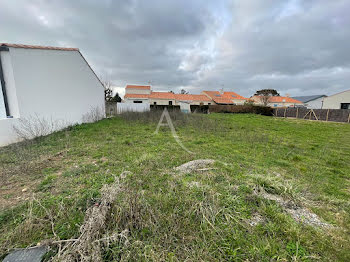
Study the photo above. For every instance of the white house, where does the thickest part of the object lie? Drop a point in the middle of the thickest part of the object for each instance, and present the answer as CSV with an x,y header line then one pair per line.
x,y
337,101
46,82
143,94
277,101
312,102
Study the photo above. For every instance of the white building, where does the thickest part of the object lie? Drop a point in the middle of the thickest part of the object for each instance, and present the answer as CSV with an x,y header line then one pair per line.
x,y
276,101
337,101
45,82
144,94
312,102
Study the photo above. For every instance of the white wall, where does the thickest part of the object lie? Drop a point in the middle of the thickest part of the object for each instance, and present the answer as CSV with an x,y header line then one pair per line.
x,y
51,84
315,104
130,107
334,101
131,100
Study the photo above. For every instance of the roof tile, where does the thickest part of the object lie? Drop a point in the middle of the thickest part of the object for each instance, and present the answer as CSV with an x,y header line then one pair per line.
x,y
38,47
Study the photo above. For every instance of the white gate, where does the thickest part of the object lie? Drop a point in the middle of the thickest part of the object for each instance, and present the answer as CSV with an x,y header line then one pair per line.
x,y
133,107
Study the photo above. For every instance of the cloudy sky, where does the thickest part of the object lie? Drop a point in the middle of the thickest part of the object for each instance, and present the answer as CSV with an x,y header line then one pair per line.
x,y
297,47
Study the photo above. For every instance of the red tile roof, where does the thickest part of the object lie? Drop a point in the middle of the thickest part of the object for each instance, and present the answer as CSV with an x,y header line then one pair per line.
x,y
38,47
138,87
233,95
281,99
224,98
162,95
189,97
136,96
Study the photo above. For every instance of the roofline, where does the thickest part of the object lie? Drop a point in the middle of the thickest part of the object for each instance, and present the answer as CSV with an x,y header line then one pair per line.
x,y
339,93
39,47
103,86
7,45
316,97
137,86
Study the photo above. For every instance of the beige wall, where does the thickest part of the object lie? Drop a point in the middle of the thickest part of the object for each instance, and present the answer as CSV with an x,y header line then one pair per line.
x,y
137,91
334,101
199,102
161,101
238,101
131,100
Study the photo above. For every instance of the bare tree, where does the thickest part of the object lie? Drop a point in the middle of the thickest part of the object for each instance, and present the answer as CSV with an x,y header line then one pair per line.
x,y
108,90
264,95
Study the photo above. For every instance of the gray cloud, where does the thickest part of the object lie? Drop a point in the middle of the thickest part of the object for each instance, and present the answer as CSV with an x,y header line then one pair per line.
x,y
298,47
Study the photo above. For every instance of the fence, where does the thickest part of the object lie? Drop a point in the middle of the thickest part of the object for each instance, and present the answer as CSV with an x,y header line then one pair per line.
x,y
118,108
168,107
253,109
111,108
334,115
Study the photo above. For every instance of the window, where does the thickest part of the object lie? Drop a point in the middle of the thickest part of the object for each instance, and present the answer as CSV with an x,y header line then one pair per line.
x,y
218,95
138,102
154,103
275,105
170,103
209,103
345,106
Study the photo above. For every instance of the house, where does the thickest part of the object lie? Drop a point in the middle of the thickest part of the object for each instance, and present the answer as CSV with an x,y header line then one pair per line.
x,y
144,94
337,101
277,101
225,98
311,102
137,94
52,83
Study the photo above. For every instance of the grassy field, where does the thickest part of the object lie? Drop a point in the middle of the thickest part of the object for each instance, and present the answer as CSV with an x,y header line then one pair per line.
x,y
214,215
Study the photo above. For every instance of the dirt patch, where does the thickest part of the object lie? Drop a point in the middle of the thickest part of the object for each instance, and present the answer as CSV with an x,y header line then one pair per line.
x,y
195,166
298,213
18,182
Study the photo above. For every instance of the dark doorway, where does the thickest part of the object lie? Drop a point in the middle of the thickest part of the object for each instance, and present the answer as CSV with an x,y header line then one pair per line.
x,y
345,106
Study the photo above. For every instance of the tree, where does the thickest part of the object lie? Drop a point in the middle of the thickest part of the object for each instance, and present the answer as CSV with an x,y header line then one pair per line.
x,y
108,90
116,98
265,94
183,91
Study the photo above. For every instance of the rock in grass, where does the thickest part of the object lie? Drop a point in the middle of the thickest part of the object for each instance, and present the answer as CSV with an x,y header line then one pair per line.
x,y
298,213
195,165
26,255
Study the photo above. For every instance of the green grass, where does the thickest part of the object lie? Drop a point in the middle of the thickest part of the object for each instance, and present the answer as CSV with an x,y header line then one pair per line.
x,y
192,217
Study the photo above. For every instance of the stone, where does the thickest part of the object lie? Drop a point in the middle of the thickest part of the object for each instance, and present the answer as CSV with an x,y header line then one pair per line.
x,y
26,255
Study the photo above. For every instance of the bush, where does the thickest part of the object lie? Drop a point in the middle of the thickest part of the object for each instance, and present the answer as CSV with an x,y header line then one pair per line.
x,y
261,110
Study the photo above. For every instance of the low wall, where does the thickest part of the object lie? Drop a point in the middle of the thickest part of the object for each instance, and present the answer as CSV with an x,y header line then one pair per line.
x,y
132,107
334,115
111,108
253,109
7,134
168,107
